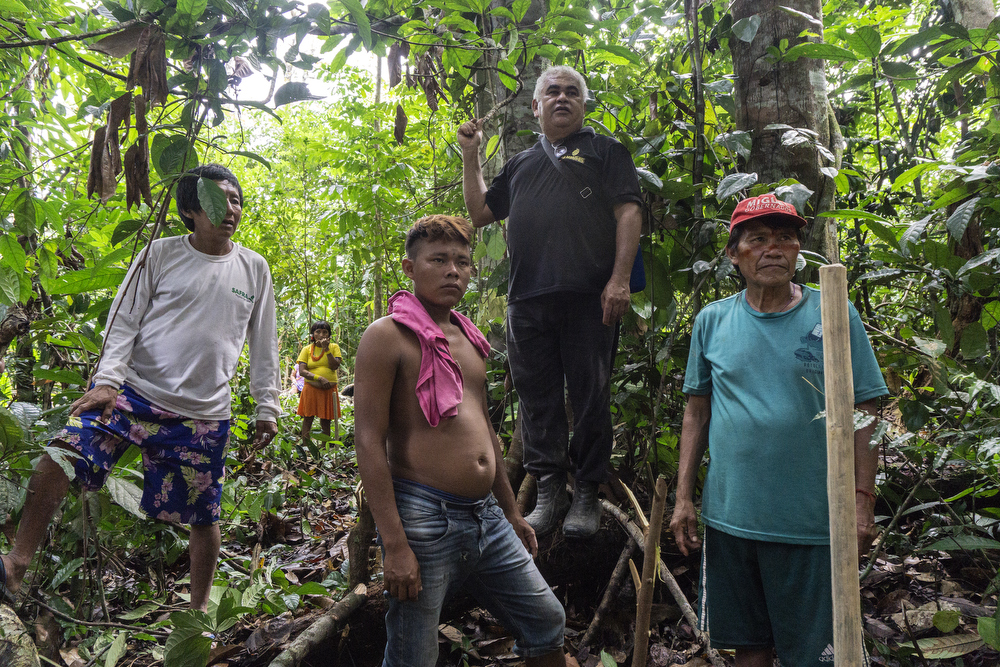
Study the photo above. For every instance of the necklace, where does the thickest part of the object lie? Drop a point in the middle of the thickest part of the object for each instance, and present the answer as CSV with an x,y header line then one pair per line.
x,y
312,353
790,299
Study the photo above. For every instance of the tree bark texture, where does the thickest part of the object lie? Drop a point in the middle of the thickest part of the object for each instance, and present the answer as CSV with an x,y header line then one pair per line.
x,y
789,93
973,13
359,544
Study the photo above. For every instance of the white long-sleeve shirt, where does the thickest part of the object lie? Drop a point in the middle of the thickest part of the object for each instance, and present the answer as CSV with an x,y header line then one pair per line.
x,y
183,318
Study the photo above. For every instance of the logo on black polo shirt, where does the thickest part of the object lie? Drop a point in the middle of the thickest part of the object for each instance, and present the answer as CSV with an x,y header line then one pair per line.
x,y
243,295
574,156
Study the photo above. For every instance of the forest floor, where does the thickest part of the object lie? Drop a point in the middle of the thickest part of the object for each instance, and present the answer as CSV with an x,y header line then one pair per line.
x,y
308,542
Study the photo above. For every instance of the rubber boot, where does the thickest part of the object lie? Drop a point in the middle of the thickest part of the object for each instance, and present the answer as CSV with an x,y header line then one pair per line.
x,y
551,504
584,517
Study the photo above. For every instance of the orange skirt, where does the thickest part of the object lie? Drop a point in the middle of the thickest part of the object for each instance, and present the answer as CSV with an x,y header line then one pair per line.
x,y
322,403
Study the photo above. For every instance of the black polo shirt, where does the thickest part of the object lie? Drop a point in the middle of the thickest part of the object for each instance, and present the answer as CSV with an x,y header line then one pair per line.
x,y
559,241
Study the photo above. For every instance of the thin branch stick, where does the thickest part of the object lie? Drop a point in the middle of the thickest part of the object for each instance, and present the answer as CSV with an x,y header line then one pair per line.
x,y
636,534
644,603
70,38
614,585
97,624
643,522
321,629
899,512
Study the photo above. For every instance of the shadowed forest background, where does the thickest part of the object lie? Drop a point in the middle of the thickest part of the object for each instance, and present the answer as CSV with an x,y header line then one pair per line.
x,y
879,120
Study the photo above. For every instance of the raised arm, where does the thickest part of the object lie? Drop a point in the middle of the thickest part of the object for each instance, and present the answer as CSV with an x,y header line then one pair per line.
x,y
470,136
694,442
616,296
375,368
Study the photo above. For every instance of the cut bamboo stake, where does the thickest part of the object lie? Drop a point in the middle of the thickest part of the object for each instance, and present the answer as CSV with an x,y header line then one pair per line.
x,y
327,624
650,559
667,577
839,388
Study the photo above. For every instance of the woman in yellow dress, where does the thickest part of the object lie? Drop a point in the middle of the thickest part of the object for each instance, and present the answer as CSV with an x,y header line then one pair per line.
x,y
318,363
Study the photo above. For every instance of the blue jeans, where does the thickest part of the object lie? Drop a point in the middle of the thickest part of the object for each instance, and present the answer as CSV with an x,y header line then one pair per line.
x,y
556,341
471,545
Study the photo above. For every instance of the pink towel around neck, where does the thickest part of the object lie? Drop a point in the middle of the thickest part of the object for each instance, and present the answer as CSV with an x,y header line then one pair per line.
x,y
439,383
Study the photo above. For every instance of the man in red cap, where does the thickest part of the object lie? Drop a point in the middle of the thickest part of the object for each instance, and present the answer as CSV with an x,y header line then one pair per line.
x,y
754,382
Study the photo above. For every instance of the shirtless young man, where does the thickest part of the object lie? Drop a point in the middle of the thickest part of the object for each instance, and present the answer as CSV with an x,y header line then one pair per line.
x,y
445,511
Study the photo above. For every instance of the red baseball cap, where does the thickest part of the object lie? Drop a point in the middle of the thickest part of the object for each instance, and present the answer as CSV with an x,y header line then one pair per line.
x,y
764,206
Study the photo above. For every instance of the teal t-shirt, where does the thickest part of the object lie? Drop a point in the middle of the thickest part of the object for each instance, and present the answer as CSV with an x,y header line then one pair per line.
x,y
764,371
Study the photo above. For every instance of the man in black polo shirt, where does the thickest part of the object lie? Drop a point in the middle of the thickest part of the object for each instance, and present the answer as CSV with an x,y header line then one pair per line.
x,y
572,202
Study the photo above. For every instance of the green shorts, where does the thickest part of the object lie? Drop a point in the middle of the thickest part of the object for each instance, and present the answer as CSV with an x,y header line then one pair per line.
x,y
761,594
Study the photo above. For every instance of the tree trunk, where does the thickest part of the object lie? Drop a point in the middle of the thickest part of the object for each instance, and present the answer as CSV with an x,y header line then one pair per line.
x,y
963,305
973,13
789,93
359,543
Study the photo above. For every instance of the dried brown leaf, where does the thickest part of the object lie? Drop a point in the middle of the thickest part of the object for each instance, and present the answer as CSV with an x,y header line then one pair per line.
x,y
138,60
395,65
120,44
96,150
399,128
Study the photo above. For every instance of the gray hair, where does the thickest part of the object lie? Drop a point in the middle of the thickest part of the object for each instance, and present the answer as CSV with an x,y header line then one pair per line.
x,y
564,70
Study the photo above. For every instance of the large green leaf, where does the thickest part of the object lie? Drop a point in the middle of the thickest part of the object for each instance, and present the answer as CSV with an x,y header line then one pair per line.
x,y
127,495
822,50
87,280
293,91
865,41
212,199
11,434
746,29
733,183
11,253
189,11
959,220
980,260
117,650
171,154
10,286
963,542
25,214
361,19
989,630
975,342
12,6
620,54
187,645
64,375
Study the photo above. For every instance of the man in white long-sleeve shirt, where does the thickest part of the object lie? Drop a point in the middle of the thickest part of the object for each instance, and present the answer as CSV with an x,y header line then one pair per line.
x,y
173,339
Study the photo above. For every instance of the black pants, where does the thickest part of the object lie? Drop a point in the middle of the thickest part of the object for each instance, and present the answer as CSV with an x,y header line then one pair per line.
x,y
556,341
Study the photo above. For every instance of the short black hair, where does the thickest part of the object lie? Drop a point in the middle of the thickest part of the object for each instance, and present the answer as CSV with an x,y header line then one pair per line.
x,y
187,189
319,324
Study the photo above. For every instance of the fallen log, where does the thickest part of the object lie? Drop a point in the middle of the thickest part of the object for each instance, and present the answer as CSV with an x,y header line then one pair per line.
x,y
636,534
315,634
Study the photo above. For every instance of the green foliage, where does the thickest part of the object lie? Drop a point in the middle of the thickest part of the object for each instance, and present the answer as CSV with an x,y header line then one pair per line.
x,y
329,192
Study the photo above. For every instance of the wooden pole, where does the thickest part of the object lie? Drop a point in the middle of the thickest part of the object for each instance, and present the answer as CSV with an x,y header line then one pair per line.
x,y
644,595
839,388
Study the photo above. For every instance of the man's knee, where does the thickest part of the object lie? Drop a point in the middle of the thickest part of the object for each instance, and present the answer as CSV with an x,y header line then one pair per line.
x,y
549,633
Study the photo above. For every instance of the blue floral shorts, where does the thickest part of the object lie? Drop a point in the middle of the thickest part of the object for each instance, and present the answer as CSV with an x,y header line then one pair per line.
x,y
183,458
